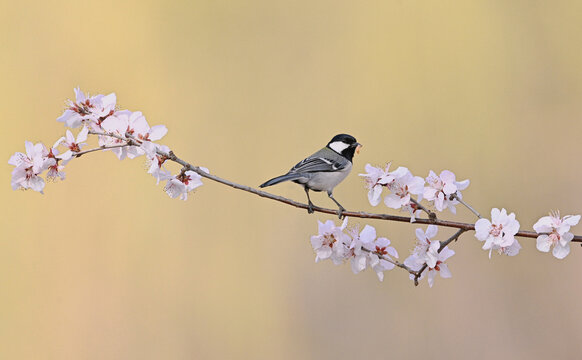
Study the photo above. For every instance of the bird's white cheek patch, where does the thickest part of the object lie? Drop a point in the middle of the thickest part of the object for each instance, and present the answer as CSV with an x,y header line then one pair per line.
x,y
338,146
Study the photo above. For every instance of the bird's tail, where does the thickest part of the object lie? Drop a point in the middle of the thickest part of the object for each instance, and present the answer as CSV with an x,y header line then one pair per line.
x,y
281,178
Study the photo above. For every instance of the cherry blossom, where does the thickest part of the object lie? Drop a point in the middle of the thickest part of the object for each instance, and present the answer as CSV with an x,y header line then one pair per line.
x,y
403,186
440,266
362,248
359,259
499,233
192,180
420,254
413,210
510,250
155,161
139,128
90,110
118,125
379,251
555,232
330,242
440,188
55,169
427,252
181,184
73,145
127,124
28,166
376,178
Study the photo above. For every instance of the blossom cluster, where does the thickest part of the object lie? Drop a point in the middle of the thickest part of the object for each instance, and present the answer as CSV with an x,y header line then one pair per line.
x,y
406,190
364,249
431,253
125,133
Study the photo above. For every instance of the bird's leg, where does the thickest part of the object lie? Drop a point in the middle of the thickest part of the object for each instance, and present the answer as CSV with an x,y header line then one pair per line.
x,y
310,208
341,208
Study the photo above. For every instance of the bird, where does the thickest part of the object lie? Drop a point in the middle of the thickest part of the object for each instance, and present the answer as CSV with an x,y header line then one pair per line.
x,y
323,170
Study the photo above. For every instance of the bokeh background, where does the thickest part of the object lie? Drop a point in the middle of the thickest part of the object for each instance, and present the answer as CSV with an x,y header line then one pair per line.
x,y
106,266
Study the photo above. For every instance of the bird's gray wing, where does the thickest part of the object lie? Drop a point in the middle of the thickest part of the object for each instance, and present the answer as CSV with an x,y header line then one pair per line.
x,y
324,160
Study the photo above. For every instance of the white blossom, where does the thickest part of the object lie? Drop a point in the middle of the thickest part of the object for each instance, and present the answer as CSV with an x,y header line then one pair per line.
x,y
330,241
379,251
89,110
555,231
499,233
73,145
440,266
181,184
359,259
376,179
402,188
441,188
28,166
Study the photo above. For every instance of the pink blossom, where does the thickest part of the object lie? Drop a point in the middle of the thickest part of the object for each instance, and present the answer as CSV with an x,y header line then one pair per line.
x,y
359,258
73,145
402,188
180,185
427,252
155,161
440,266
55,169
90,110
118,125
376,179
330,241
379,253
441,188
555,231
499,233
129,125
420,254
28,166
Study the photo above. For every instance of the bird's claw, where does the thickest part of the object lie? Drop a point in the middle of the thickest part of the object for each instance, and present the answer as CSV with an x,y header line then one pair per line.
x,y
310,208
341,213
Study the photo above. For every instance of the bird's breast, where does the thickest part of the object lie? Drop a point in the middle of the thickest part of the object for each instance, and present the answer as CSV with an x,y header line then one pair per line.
x,y
326,181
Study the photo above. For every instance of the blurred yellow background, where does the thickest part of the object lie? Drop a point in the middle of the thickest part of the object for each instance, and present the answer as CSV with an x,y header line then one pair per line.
x,y
106,266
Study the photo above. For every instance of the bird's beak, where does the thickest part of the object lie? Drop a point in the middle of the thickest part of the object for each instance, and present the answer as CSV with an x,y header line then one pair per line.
x,y
358,147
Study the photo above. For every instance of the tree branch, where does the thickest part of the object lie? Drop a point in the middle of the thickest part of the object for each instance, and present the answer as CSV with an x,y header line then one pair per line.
x,y
355,214
78,154
454,196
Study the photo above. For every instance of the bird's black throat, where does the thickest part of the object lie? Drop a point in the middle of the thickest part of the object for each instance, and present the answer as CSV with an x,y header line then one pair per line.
x,y
348,153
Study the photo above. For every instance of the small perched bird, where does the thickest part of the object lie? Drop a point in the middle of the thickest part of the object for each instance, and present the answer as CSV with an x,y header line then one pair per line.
x,y
323,170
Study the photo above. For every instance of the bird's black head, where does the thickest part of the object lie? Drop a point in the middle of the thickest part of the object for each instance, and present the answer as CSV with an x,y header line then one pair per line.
x,y
345,145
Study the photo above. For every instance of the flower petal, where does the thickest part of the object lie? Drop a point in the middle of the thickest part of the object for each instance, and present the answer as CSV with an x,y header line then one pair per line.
x,y
561,251
542,243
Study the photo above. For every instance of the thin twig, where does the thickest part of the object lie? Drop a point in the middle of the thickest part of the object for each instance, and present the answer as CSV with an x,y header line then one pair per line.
x,y
455,237
454,196
418,273
78,154
394,262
